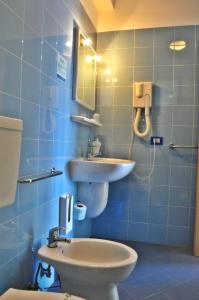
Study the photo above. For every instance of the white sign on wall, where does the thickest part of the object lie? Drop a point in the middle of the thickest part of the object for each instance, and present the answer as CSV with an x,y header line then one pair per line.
x,y
61,66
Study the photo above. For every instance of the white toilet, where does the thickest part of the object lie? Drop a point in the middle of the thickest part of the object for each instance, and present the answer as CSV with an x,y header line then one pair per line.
x,y
13,294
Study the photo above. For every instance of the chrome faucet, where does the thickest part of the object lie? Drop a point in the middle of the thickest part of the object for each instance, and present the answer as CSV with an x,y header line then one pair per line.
x,y
54,237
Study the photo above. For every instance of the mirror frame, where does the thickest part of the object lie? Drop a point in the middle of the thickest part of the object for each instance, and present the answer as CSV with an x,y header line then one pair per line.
x,y
77,33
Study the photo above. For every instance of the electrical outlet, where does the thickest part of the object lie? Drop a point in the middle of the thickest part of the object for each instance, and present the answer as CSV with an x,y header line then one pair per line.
x,y
157,140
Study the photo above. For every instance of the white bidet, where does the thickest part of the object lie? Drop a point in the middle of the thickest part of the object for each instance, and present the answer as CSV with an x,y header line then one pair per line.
x,y
91,268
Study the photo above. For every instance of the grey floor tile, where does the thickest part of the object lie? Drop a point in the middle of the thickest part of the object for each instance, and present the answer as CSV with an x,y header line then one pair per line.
x,y
124,295
140,289
193,285
159,296
182,293
163,281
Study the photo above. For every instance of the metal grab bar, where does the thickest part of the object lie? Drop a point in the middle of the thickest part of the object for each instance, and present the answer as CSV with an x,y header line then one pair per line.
x,y
53,172
173,147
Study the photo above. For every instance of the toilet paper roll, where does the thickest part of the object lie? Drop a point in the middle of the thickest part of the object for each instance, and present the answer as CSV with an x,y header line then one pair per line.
x,y
79,211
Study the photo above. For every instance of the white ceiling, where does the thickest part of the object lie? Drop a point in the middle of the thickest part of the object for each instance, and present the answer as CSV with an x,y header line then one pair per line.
x,y
108,15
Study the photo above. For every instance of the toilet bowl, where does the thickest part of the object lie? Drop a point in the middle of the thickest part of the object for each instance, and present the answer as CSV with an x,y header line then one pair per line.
x,y
13,294
91,268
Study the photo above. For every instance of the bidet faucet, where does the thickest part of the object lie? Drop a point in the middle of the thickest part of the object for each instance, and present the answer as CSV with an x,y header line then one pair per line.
x,y
54,237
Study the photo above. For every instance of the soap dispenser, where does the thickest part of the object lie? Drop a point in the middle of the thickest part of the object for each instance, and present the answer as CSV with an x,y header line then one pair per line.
x,y
96,145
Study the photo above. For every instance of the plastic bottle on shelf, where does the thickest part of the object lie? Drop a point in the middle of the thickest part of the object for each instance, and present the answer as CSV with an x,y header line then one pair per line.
x,y
96,147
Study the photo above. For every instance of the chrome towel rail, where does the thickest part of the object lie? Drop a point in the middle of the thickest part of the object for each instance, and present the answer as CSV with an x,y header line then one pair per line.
x,y
53,172
173,147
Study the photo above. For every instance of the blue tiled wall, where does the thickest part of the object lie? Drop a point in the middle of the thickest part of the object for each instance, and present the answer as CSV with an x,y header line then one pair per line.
x,y
159,209
32,32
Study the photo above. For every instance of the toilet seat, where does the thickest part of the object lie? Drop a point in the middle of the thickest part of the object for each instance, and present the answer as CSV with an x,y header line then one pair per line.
x,y
14,294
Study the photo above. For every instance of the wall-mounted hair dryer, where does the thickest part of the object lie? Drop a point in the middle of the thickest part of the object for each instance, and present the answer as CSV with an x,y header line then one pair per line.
x,y
142,99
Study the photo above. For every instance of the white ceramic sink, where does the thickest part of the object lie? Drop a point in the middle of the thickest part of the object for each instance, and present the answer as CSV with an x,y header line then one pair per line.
x,y
99,169
91,268
93,177
13,294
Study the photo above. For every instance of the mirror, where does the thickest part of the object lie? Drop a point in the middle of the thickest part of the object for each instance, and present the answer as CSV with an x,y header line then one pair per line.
x,y
84,78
